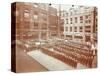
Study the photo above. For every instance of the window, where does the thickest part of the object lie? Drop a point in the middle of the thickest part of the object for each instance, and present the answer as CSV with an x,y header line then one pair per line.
x,y
69,36
75,19
81,19
66,28
70,29
81,28
88,31
54,34
75,29
70,20
35,25
87,28
66,14
87,16
88,21
66,21
79,37
35,17
26,13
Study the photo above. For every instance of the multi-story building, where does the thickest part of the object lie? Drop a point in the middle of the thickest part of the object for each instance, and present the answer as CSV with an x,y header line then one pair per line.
x,y
80,24
53,22
35,21
61,24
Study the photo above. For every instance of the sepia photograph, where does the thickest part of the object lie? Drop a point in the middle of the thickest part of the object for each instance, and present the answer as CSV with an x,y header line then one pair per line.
x,y
53,37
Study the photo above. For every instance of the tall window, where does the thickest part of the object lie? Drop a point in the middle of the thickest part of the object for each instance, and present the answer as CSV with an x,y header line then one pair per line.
x,y
70,29
66,14
70,20
75,29
87,19
81,19
35,17
66,21
66,28
80,28
35,25
75,19
87,28
26,13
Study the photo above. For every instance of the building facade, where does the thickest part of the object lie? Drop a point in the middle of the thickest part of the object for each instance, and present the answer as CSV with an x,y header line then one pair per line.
x,y
80,24
35,21
53,22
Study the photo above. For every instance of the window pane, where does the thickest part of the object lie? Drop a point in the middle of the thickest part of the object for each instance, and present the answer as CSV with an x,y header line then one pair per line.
x,y
75,19
26,13
35,17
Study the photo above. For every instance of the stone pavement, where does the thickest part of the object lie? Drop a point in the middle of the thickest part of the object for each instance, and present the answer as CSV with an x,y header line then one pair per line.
x,y
25,63
51,63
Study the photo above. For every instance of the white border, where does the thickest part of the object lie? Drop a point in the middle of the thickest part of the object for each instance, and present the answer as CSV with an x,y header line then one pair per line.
x,y
5,37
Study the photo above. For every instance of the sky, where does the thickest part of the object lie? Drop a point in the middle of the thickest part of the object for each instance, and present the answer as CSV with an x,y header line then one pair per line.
x,y
68,7
63,7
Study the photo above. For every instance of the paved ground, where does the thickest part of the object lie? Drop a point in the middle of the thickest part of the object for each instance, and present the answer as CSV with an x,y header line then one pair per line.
x,y
51,63
36,61
25,63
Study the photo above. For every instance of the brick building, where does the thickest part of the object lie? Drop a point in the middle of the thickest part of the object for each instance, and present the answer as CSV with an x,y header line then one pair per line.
x,y
35,21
